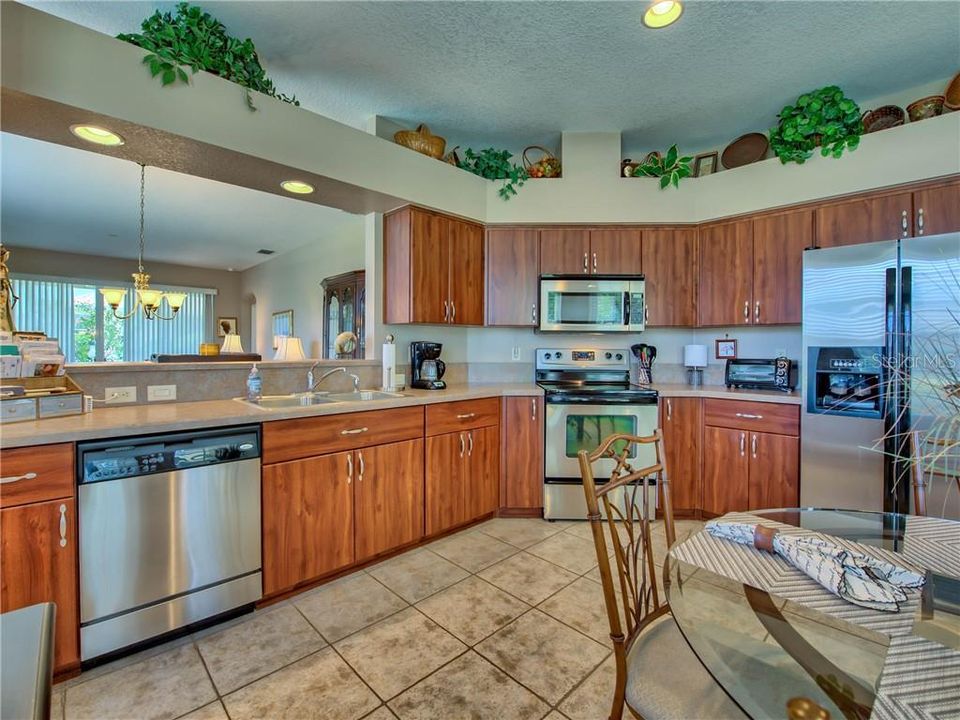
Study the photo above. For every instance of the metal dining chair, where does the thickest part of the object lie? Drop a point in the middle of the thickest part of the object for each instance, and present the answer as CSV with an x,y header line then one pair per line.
x,y
918,481
658,675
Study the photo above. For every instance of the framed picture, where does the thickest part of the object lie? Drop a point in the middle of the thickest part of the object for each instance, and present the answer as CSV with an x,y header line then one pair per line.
x,y
706,164
726,349
226,326
282,325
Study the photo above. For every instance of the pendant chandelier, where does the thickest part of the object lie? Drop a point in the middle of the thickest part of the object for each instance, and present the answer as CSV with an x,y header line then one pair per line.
x,y
147,299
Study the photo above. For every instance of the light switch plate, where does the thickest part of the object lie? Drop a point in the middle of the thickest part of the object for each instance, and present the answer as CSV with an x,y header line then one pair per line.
x,y
515,354
161,392
118,395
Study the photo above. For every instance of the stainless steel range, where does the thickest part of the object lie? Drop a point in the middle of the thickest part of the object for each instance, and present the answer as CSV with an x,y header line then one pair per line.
x,y
588,398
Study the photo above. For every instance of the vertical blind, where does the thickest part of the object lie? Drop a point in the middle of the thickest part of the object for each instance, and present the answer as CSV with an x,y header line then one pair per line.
x,y
70,310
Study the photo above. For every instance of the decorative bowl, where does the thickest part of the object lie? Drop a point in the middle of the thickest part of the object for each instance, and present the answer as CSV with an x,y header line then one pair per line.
x,y
924,108
951,96
744,150
882,118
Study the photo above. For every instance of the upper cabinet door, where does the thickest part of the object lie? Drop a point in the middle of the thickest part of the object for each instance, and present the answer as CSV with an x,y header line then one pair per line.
x,y
726,274
670,275
870,219
564,251
466,273
936,210
513,261
615,252
430,267
778,245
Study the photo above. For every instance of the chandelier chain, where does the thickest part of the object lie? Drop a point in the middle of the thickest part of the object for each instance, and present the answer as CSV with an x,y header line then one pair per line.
x,y
142,193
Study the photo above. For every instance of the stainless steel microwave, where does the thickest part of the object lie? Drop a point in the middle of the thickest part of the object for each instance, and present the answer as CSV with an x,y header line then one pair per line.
x,y
598,303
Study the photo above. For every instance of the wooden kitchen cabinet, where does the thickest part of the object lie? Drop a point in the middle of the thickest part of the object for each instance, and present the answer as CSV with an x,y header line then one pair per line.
x,y
445,482
564,251
726,467
726,274
681,420
483,473
778,244
669,265
38,557
433,269
388,497
522,455
615,251
307,519
513,273
774,471
864,219
936,209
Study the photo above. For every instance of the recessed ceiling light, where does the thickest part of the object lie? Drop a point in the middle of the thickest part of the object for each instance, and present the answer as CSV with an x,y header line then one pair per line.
x,y
297,186
97,135
662,13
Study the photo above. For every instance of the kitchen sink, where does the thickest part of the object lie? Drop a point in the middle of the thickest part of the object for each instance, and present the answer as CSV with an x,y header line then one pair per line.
x,y
293,400
363,395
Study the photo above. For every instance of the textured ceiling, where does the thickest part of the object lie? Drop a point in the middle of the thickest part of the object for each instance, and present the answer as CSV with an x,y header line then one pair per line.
x,y
59,198
513,73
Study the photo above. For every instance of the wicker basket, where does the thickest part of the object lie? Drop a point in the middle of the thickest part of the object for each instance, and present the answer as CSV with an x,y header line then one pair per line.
x,y
422,141
546,166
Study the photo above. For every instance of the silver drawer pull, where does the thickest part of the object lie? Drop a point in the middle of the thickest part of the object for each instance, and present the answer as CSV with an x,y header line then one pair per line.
x,y
363,467
18,478
749,416
63,526
349,467
743,442
353,431
462,448
470,438
753,445
466,416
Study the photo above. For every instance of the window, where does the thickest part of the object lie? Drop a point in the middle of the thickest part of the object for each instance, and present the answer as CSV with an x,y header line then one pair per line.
x,y
74,313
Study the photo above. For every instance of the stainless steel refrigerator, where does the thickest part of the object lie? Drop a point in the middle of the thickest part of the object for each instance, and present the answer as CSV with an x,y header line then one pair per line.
x,y
880,324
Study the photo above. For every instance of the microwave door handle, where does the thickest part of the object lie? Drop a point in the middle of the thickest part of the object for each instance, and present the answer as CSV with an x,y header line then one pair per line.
x,y
626,308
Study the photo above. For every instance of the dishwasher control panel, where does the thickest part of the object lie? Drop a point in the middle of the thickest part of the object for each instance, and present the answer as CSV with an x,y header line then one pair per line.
x,y
145,456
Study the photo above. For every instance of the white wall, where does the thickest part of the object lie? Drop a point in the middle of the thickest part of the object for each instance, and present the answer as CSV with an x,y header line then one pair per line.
x,y
292,281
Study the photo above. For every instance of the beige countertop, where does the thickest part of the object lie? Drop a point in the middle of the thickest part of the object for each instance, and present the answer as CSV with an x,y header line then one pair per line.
x,y
107,422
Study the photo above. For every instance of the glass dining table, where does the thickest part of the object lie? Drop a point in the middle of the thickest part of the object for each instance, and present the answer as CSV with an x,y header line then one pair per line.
x,y
782,647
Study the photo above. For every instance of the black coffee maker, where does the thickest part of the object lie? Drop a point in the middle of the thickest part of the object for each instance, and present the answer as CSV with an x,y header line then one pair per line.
x,y
425,365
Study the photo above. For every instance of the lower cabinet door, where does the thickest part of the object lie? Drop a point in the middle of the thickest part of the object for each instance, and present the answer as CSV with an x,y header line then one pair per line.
x,y
307,519
523,453
726,467
774,471
446,479
388,497
681,421
38,557
483,481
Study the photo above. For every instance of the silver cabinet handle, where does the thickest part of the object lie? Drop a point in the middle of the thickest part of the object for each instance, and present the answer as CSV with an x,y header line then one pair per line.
x,y
533,313
465,416
749,416
756,311
585,267
462,448
446,311
904,223
743,443
646,313
362,466
669,409
349,467
470,438
453,311
746,311
920,221
18,478
533,409
594,262
753,445
63,526
353,431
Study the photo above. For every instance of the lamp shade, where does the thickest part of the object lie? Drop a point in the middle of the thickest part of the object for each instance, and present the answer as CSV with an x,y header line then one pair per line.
x,y
113,296
695,356
289,348
231,344
175,299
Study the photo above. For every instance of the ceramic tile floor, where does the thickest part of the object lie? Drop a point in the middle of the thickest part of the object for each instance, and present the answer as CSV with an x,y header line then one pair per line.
x,y
503,620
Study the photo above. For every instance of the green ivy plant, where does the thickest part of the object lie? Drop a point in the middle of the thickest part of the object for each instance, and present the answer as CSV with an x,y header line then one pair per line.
x,y
495,165
823,117
670,168
194,39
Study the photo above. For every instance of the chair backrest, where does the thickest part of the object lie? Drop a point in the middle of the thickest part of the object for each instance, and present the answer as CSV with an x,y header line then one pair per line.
x,y
916,474
625,503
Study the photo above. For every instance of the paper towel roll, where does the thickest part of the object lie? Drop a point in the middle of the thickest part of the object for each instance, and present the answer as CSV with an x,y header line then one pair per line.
x,y
389,364
695,356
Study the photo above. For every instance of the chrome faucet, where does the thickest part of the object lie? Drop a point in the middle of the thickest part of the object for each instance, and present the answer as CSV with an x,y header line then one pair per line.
x,y
312,384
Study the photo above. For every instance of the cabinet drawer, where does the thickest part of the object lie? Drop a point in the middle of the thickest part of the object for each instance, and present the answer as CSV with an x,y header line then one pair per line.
x,y
306,437
758,416
463,415
17,410
68,405
36,474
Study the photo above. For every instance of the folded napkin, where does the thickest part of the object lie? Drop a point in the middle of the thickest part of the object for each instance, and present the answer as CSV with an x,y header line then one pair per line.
x,y
853,576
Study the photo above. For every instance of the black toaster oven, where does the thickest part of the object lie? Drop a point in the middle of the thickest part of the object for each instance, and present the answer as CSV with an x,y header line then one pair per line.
x,y
775,374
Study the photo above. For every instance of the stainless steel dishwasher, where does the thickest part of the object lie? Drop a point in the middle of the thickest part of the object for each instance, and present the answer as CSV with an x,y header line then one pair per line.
x,y
169,533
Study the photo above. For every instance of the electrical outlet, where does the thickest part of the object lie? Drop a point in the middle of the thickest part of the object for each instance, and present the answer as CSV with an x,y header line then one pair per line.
x,y
161,392
116,395
515,354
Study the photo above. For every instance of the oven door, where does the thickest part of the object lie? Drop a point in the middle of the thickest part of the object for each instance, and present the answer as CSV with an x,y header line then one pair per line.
x,y
571,427
582,305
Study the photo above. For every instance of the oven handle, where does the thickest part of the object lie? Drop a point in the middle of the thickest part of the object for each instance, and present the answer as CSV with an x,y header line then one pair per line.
x,y
593,401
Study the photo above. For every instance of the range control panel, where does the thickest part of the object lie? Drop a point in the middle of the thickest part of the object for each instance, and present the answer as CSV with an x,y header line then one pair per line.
x,y
599,358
